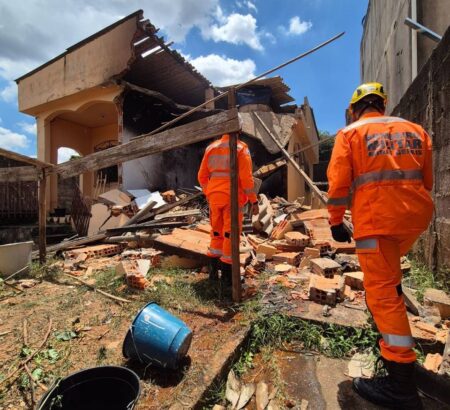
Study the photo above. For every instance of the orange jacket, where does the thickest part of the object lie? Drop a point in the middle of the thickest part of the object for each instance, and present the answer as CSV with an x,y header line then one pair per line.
x,y
214,172
382,166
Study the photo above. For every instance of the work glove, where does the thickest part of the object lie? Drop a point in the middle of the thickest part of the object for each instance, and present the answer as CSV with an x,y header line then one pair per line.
x,y
255,208
340,234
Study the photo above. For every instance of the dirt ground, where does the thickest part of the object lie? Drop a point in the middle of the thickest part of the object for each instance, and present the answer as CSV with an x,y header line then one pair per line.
x,y
88,330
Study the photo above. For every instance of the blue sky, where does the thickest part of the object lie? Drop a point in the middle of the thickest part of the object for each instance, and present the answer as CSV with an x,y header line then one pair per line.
x,y
229,41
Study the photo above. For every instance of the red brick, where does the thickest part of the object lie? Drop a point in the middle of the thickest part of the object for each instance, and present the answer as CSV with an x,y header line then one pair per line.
x,y
296,238
354,280
325,266
292,258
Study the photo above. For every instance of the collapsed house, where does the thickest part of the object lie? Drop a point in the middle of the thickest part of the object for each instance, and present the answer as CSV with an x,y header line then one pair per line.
x,y
124,81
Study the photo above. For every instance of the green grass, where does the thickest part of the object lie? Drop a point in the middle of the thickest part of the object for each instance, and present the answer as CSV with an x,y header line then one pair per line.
x,y
275,331
420,278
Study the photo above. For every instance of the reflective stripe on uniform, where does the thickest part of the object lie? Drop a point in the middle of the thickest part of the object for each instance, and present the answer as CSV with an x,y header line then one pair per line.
x,y
368,243
220,161
213,251
397,340
226,258
249,191
219,174
344,200
389,175
220,144
373,120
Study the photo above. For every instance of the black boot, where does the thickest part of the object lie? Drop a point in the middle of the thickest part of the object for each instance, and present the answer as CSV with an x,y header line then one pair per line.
x,y
226,273
213,269
396,391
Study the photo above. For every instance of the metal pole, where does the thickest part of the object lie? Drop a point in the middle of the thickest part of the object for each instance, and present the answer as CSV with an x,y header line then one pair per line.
x,y
235,231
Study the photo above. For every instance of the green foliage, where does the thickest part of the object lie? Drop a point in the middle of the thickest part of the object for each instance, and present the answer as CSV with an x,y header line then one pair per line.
x,y
420,278
325,148
101,354
65,335
331,340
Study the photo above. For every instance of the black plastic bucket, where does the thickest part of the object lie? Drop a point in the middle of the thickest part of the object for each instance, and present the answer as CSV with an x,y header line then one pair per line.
x,y
98,388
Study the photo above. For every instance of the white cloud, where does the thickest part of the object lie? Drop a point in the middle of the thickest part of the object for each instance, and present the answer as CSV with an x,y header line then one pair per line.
x,y
11,140
27,23
251,6
235,29
9,93
297,27
28,128
64,154
222,71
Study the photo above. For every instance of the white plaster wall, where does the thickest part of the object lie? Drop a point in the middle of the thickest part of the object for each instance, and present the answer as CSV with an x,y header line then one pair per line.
x,y
146,172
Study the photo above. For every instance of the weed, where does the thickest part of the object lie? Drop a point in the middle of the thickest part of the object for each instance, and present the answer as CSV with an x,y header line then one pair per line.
x,y
101,354
420,278
331,340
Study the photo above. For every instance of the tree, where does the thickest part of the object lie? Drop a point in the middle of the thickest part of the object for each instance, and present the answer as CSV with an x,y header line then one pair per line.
x,y
325,148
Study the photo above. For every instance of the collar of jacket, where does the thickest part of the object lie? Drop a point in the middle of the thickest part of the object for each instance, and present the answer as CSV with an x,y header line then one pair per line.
x,y
371,114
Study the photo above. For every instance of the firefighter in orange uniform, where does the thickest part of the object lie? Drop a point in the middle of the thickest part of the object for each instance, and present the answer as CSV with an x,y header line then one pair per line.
x,y
214,178
382,167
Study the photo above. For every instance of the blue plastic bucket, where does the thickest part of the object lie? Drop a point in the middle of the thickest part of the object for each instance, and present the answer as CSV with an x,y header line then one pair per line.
x,y
157,337
98,388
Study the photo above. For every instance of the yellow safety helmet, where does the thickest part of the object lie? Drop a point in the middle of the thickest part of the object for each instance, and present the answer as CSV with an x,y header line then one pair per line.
x,y
368,89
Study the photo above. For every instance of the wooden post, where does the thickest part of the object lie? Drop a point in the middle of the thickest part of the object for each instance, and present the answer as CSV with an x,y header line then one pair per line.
x,y
235,232
42,218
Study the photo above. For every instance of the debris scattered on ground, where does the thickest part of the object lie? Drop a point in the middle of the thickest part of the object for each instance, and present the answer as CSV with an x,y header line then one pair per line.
x,y
361,365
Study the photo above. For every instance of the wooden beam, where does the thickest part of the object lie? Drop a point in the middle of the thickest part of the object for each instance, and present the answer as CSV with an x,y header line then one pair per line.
x,y
305,176
23,158
161,97
196,131
12,174
235,234
42,219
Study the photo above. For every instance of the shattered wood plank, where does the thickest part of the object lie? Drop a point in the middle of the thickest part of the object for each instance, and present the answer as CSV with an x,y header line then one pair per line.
x,y
178,214
168,207
196,131
72,243
144,226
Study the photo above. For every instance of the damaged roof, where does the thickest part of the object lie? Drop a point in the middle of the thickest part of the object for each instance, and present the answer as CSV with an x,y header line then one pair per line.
x,y
151,63
280,91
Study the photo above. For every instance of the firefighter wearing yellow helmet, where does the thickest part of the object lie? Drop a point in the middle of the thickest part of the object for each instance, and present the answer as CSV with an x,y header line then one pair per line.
x,y
382,167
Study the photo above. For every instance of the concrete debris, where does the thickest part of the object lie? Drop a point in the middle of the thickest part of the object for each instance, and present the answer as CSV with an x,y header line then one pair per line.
x,y
291,258
361,365
411,302
267,250
354,280
439,299
433,362
297,239
290,250
262,396
304,404
325,267
169,196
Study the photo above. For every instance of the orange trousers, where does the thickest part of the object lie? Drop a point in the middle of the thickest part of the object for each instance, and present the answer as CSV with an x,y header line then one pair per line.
x,y
379,258
220,219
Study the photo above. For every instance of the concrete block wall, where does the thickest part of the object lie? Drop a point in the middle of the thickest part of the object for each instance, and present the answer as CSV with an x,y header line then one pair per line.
x,y
427,102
